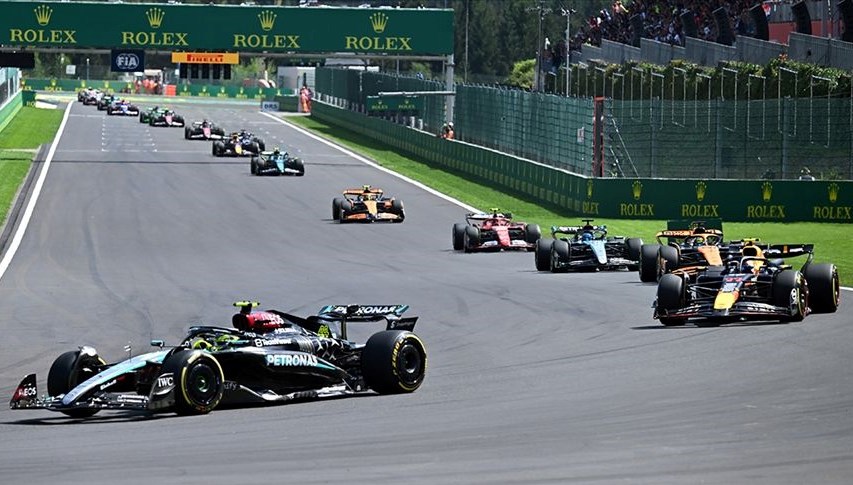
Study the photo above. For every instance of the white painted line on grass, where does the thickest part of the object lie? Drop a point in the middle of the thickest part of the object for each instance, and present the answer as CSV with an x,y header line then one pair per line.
x,y
391,172
28,212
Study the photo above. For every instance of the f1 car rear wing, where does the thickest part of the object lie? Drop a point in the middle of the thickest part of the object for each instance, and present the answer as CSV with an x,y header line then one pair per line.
x,y
576,229
344,314
484,216
691,225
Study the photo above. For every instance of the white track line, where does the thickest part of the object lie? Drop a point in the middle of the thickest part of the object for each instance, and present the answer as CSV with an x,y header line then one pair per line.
x,y
399,176
28,212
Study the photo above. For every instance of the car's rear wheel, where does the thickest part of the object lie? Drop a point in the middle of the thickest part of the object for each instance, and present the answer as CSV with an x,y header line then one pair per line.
x,y
67,371
199,381
218,148
187,132
471,239
561,254
397,208
336,208
299,167
667,260
542,254
671,296
253,166
824,287
790,292
649,262
532,233
458,238
634,245
394,361
261,145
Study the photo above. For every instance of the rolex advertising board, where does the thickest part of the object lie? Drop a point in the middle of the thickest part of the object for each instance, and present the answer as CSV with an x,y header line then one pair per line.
x,y
227,28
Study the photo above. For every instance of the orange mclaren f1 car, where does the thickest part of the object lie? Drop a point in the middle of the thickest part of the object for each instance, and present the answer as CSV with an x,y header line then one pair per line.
x,y
367,204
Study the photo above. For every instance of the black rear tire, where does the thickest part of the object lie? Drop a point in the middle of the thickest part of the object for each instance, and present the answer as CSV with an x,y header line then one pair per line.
x,y
634,245
397,208
67,371
542,254
471,239
532,233
824,287
298,165
790,292
336,208
649,262
668,260
393,362
199,381
561,254
458,236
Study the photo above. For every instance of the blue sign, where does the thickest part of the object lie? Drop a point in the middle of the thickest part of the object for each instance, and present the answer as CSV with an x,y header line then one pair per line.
x,y
124,60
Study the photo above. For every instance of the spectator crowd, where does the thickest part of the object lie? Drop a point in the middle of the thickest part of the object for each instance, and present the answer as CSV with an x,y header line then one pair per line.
x,y
662,21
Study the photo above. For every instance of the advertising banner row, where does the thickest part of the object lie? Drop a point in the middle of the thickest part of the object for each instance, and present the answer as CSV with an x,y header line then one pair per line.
x,y
184,90
622,198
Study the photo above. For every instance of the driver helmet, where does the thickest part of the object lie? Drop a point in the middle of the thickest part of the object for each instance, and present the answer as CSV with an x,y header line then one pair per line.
x,y
276,151
586,236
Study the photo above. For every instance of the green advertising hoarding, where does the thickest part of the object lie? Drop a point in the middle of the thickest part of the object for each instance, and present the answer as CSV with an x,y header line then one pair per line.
x,y
406,104
183,90
233,28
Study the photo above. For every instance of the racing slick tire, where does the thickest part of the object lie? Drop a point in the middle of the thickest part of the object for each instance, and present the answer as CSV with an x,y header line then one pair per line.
x,y
649,262
671,296
346,206
186,132
542,254
458,236
393,362
141,118
336,208
253,166
397,208
67,371
299,166
824,287
667,260
471,239
255,148
218,148
790,292
532,233
634,245
561,253
199,381
261,145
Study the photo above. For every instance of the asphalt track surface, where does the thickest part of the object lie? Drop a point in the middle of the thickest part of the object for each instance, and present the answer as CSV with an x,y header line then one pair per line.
x,y
533,377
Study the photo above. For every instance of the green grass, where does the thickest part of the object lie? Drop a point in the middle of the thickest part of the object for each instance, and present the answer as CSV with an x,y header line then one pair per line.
x,y
833,242
30,128
18,144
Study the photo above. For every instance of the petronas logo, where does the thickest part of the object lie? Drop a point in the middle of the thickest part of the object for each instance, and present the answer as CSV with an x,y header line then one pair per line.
x,y
43,13
589,189
701,187
637,189
379,21
766,191
267,19
833,192
155,17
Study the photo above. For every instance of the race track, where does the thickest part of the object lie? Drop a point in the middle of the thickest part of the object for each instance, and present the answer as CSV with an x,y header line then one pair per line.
x,y
532,378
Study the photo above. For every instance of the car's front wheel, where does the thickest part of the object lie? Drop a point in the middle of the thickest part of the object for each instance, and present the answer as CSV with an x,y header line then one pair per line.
x,y
67,371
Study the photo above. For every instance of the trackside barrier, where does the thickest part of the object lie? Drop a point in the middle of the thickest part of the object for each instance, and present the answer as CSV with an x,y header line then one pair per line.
x,y
624,198
183,90
10,108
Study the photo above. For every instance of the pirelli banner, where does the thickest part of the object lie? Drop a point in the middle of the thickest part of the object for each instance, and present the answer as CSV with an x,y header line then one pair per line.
x,y
224,28
205,58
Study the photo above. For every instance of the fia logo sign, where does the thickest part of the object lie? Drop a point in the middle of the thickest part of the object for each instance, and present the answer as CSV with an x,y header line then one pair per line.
x,y
127,60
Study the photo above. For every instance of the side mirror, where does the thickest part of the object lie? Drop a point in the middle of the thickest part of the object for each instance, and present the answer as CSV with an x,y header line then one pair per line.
x,y
158,343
